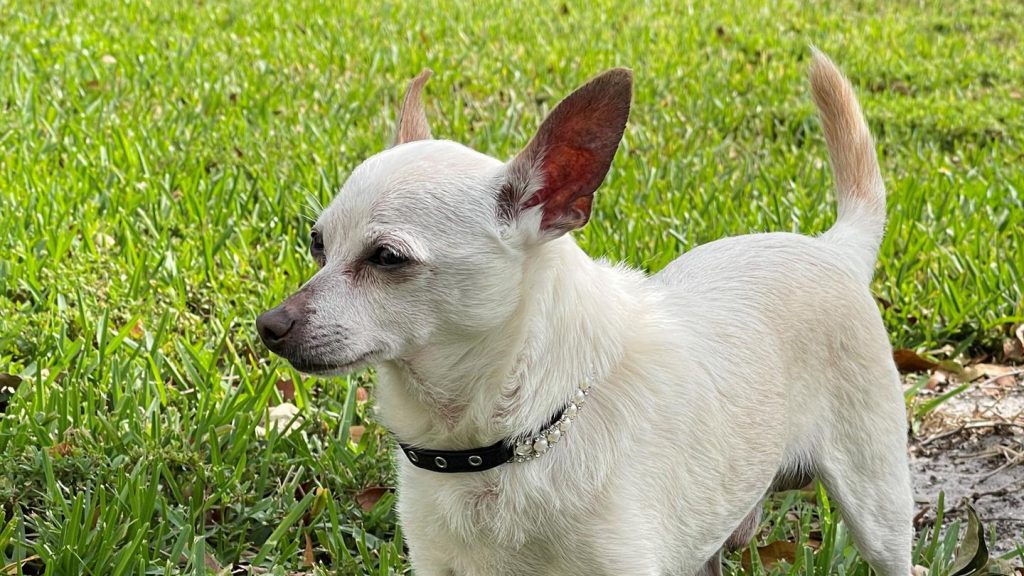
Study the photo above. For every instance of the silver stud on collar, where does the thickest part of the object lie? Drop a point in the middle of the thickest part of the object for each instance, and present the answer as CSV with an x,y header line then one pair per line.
x,y
534,446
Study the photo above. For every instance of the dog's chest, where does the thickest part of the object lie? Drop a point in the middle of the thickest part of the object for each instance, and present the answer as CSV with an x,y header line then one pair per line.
x,y
495,524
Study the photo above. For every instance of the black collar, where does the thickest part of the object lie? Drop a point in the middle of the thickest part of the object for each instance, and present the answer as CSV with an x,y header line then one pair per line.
x,y
472,460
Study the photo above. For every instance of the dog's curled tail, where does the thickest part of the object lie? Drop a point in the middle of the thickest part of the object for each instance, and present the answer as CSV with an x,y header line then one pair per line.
x,y
851,150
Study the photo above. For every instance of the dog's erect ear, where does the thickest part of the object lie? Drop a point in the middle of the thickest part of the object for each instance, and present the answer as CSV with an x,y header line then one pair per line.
x,y
568,158
412,120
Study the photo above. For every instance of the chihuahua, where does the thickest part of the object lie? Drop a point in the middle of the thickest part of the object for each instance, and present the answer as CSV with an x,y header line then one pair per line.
x,y
558,415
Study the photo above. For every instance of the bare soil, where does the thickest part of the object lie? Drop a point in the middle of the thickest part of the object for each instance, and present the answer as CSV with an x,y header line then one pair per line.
x,y
971,448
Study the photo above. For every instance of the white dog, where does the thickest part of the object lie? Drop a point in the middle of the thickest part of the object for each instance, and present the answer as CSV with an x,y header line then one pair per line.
x,y
564,416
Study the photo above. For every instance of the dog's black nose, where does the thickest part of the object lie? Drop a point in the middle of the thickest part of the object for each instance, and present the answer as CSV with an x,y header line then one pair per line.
x,y
274,326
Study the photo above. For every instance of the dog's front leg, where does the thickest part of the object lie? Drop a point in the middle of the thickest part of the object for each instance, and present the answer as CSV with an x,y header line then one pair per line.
x,y
425,565
739,539
429,552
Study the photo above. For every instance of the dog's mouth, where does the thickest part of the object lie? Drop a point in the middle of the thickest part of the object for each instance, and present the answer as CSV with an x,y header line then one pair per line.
x,y
331,369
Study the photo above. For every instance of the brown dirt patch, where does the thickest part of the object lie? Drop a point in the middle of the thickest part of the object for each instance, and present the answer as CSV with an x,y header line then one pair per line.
x,y
971,448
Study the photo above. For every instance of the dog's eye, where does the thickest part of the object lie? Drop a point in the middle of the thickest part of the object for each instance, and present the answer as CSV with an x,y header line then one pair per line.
x,y
387,257
316,247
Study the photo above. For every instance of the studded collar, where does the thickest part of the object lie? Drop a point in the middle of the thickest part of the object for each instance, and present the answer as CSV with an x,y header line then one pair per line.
x,y
505,450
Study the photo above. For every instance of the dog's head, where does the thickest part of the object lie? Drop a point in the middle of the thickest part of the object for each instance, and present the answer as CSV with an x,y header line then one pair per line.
x,y
428,239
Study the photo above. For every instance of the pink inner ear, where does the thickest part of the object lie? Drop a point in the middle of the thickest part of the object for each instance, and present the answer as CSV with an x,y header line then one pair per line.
x,y
569,184
576,145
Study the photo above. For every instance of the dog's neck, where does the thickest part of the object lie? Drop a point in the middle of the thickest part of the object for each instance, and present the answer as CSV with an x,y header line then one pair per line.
x,y
468,391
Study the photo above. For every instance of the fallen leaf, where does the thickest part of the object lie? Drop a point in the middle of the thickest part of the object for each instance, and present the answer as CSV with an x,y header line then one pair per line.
x,y
771,554
62,449
356,433
937,379
993,370
367,497
287,389
13,568
211,563
972,554
307,554
1008,381
909,361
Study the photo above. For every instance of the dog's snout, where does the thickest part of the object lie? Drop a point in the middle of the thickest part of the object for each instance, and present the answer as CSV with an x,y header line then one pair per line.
x,y
274,326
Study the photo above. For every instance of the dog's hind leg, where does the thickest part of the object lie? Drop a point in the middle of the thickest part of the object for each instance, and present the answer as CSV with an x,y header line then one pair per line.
x,y
745,532
863,465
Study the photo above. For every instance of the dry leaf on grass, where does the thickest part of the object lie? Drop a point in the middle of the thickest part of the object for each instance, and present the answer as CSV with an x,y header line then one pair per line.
x,y
13,568
211,563
62,449
287,390
993,371
909,361
355,433
937,380
308,558
367,497
1007,381
972,557
972,554
771,554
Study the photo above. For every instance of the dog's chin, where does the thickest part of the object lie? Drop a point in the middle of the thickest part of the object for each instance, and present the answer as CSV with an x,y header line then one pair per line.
x,y
330,369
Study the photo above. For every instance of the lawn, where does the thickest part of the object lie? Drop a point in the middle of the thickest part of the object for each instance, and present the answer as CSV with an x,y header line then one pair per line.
x,y
161,163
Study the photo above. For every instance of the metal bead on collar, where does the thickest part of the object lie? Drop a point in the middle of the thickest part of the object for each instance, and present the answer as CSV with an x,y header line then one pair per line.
x,y
535,446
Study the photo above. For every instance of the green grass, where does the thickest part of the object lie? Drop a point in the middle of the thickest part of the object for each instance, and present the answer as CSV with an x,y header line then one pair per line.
x,y
160,162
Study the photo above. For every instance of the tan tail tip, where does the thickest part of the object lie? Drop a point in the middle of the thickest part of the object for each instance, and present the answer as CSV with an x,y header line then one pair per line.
x,y
826,79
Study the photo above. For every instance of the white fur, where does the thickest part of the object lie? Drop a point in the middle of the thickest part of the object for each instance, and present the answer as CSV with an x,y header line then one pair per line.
x,y
744,358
